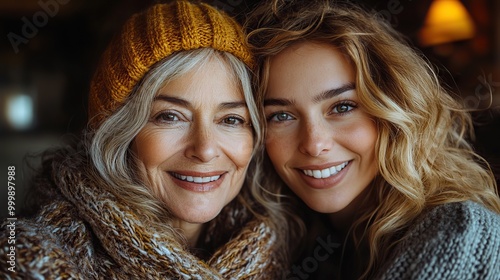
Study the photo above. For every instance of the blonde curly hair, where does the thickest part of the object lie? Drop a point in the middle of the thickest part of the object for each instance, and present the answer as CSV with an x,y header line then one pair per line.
x,y
424,155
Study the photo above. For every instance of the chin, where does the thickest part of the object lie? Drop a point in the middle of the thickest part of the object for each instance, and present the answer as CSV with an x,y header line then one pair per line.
x,y
201,217
325,207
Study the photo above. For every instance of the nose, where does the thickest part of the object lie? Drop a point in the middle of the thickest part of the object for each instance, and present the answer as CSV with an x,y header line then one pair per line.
x,y
316,138
203,144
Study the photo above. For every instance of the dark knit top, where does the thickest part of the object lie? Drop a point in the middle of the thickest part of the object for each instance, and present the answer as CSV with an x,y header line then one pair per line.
x,y
456,241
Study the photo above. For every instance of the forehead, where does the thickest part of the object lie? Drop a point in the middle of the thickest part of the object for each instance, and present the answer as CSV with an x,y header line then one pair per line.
x,y
308,67
213,79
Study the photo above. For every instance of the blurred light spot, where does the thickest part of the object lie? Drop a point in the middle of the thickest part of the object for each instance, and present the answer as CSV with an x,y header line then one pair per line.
x,y
19,111
446,21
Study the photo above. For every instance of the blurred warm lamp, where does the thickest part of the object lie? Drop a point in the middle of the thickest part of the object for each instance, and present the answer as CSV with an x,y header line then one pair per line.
x,y
446,21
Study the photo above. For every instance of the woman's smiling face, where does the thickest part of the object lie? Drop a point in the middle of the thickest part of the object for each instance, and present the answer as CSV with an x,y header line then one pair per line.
x,y
194,151
319,138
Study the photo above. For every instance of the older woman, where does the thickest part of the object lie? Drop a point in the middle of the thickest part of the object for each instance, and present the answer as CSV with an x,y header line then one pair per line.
x,y
361,131
158,187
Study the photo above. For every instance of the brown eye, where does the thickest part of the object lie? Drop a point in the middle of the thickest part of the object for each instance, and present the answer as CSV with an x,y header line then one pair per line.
x,y
233,121
343,108
166,117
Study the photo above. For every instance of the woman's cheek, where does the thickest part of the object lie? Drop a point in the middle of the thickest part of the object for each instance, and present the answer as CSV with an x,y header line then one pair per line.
x,y
276,148
239,148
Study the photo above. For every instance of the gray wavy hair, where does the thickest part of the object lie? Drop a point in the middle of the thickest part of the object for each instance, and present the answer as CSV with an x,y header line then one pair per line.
x,y
114,164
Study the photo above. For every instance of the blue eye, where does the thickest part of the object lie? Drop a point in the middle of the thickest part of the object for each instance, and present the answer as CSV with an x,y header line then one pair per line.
x,y
279,117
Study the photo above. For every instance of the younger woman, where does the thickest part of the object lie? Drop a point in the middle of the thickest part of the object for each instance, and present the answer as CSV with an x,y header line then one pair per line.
x,y
359,128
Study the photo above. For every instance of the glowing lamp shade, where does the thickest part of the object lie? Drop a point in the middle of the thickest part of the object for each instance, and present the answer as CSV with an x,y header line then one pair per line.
x,y
447,21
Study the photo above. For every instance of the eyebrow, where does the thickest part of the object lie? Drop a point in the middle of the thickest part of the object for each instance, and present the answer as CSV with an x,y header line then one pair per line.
x,y
333,92
174,100
318,98
187,104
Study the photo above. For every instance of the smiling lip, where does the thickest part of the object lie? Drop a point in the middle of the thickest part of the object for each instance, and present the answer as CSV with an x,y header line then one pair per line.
x,y
325,179
197,181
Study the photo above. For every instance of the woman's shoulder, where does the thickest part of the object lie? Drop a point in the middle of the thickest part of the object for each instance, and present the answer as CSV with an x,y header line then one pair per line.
x,y
458,218
43,245
465,221
459,240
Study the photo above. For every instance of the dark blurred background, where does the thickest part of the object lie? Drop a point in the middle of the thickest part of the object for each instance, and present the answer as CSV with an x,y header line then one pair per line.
x,y
50,48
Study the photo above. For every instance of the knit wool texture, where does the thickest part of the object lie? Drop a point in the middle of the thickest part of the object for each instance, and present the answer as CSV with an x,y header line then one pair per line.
x,y
152,35
453,241
85,232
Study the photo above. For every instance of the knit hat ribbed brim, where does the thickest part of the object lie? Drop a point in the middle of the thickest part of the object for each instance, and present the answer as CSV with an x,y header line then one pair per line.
x,y
152,35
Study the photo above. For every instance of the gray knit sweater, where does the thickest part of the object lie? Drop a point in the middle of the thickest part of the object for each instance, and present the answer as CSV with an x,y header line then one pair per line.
x,y
456,241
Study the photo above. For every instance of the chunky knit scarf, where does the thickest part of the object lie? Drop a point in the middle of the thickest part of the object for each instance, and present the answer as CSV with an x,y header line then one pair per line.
x,y
85,233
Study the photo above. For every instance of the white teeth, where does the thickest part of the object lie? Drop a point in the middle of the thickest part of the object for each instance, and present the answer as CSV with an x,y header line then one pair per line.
x,y
327,172
196,179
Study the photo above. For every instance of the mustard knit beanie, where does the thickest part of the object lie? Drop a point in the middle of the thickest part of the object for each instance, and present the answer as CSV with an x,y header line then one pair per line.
x,y
152,35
